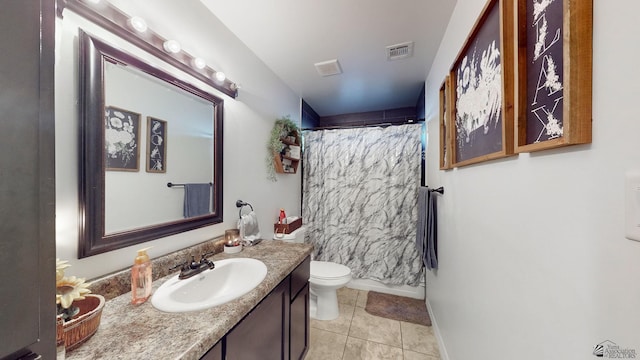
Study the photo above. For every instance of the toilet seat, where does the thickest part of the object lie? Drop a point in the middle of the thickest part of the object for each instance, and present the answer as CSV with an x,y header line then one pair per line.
x,y
325,270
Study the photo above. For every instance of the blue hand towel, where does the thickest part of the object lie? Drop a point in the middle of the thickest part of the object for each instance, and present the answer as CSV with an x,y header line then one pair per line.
x,y
196,199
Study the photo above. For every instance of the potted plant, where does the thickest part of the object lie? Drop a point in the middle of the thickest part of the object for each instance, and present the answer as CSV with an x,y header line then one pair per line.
x,y
282,128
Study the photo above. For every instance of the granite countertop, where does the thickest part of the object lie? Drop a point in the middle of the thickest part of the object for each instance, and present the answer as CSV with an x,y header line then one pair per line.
x,y
129,331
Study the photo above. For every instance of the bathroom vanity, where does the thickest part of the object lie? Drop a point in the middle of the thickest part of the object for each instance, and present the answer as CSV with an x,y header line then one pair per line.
x,y
277,328
269,322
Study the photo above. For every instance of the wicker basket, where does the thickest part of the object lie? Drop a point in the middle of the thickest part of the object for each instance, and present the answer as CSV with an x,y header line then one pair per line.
x,y
287,228
81,327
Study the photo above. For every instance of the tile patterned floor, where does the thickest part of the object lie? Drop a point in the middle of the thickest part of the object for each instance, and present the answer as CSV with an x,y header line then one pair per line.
x,y
356,334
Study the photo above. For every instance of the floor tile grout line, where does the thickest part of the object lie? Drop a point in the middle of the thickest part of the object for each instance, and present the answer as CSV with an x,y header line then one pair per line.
x,y
401,339
379,343
349,330
329,330
355,305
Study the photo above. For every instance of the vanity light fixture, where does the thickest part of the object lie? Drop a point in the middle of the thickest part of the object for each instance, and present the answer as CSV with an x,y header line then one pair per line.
x,y
171,46
199,63
105,14
220,76
137,23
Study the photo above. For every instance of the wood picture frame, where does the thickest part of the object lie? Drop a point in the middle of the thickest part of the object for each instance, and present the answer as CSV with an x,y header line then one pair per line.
x,y
482,80
555,61
445,124
121,139
156,145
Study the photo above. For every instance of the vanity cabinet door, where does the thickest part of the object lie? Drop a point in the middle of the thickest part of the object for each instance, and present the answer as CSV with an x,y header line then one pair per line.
x,y
300,277
215,353
300,324
299,328
264,333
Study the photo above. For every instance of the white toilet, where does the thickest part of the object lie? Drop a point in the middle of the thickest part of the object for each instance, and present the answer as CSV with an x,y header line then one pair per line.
x,y
325,279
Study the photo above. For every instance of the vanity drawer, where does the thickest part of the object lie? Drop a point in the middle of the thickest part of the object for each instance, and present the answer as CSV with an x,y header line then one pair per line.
x,y
300,277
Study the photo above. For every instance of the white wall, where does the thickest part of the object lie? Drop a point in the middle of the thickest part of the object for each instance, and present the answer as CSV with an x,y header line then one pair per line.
x,y
247,123
533,259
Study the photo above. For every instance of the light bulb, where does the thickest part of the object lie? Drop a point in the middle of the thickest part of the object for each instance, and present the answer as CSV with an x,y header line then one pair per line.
x,y
220,76
171,46
137,23
199,63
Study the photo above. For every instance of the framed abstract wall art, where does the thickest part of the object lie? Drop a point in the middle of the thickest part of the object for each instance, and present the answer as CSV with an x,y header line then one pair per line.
x,y
445,125
156,145
482,88
555,56
121,137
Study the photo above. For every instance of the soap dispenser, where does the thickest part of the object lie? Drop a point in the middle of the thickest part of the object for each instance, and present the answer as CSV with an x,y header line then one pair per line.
x,y
141,277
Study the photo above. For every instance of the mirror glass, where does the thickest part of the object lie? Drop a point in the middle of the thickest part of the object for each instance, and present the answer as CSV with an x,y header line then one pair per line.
x,y
142,130
175,144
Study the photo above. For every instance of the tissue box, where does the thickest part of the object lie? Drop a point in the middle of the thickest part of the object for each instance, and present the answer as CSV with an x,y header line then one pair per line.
x,y
287,228
294,151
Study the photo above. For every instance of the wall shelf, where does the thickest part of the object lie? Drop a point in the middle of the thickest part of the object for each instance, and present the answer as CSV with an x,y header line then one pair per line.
x,y
283,162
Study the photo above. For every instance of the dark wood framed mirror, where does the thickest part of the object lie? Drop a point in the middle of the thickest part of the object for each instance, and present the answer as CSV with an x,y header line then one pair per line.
x,y
96,233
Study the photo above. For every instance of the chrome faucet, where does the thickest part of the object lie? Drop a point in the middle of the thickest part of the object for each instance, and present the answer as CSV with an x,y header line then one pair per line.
x,y
193,267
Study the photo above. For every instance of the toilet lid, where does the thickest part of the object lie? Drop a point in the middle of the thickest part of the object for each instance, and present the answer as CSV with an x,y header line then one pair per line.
x,y
328,270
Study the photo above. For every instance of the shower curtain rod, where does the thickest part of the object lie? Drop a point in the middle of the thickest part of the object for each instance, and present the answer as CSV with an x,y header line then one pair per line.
x,y
348,126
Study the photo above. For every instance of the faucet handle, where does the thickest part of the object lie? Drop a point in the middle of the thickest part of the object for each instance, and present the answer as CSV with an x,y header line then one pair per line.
x,y
205,255
181,266
194,264
204,260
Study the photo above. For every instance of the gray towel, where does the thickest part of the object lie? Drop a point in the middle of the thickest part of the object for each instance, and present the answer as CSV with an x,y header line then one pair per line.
x,y
432,232
196,199
427,232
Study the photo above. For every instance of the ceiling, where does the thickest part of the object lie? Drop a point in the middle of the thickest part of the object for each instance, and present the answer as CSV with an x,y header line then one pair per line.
x,y
290,36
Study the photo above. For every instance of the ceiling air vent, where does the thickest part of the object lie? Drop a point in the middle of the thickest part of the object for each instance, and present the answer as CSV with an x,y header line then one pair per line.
x,y
328,68
400,51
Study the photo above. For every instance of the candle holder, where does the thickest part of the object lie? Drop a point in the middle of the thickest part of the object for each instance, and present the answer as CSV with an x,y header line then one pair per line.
x,y
232,243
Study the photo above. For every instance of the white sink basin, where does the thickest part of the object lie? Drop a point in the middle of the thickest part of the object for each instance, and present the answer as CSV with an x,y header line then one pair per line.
x,y
230,279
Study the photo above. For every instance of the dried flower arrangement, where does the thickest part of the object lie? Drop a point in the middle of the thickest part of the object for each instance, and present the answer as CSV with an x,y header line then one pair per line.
x,y
68,289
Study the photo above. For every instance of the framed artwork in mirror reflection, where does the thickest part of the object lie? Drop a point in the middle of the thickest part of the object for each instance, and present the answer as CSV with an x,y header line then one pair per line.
x,y
121,134
156,145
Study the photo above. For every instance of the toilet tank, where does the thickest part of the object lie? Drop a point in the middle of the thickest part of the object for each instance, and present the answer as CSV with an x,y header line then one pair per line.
x,y
296,236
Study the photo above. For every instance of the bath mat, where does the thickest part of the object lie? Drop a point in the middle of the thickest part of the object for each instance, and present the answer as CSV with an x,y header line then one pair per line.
x,y
397,308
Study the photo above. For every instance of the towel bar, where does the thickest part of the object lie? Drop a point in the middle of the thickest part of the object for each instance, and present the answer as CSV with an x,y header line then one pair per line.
x,y
169,184
240,204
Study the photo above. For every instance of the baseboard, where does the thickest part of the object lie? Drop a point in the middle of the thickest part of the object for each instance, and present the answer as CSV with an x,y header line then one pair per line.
x,y
416,292
434,324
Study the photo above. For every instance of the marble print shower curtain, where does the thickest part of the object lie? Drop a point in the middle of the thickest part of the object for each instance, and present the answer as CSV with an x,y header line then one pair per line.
x,y
360,200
